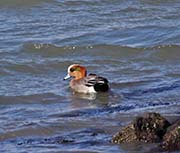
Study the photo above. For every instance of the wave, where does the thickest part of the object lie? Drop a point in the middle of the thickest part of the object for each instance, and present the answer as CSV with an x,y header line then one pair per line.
x,y
21,3
44,98
53,50
39,58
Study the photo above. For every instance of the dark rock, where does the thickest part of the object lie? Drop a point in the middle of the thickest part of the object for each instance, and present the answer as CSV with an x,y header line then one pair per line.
x,y
66,141
171,140
127,134
149,128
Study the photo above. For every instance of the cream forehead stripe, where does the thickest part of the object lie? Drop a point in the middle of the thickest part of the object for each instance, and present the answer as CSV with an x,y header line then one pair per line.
x,y
72,66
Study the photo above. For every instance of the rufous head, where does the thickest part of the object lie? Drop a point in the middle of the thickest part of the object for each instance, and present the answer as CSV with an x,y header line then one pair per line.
x,y
76,71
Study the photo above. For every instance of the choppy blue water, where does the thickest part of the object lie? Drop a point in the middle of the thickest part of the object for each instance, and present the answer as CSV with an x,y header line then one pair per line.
x,y
135,44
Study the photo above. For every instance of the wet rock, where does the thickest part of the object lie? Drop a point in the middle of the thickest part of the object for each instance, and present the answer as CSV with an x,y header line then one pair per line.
x,y
171,140
149,128
127,134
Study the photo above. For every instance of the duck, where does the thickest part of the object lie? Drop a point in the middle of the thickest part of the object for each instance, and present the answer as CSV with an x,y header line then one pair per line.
x,y
83,83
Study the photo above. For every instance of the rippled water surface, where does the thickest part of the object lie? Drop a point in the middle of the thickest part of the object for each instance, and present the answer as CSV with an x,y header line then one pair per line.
x,y
133,43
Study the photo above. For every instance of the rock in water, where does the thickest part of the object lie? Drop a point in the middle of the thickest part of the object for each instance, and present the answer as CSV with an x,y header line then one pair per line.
x,y
149,128
127,134
171,140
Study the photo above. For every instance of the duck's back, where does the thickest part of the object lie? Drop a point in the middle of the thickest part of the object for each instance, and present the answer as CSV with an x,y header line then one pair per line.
x,y
99,83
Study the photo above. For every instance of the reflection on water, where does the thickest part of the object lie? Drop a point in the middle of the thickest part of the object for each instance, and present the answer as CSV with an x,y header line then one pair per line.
x,y
89,96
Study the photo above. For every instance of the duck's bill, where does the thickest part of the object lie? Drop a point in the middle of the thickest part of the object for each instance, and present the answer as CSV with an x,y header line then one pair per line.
x,y
67,77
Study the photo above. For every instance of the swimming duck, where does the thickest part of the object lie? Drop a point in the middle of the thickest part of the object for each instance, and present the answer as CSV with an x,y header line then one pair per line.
x,y
82,83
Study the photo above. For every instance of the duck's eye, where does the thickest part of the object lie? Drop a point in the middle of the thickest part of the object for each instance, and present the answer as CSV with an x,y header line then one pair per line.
x,y
72,69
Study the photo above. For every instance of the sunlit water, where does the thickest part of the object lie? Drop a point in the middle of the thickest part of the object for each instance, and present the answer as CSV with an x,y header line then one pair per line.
x,y
135,44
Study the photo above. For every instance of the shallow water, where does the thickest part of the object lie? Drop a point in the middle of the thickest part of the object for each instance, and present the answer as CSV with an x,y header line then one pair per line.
x,y
135,44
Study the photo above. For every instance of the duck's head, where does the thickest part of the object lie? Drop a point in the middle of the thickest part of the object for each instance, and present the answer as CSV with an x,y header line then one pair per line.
x,y
76,71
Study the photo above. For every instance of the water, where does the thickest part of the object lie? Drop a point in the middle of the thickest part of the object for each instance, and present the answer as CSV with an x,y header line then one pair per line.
x,y
135,44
